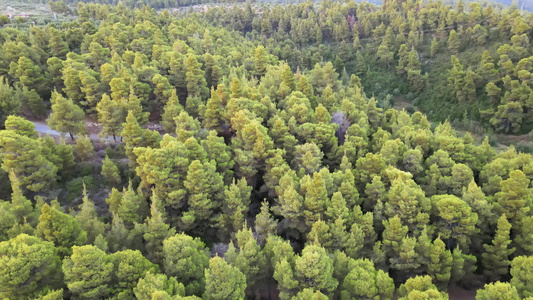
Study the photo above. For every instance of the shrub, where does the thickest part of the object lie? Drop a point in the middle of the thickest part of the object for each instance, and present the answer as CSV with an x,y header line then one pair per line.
x,y
75,187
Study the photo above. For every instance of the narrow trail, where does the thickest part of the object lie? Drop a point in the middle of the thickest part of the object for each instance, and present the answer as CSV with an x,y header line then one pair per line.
x,y
44,129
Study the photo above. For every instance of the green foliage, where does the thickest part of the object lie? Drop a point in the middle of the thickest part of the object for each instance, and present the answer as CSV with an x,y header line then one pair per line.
x,y
522,275
66,116
88,272
280,119
129,267
420,287
61,229
84,149
23,156
497,290
496,258
186,258
223,281
158,285
29,267
110,172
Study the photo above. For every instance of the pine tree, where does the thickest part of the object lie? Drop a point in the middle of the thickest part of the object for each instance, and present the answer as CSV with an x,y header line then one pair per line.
x,y
196,84
496,291
132,208
495,260
307,294
260,58
61,229
384,52
132,134
393,235
314,269
186,258
84,148
29,267
514,198
162,90
420,287
316,198
217,150
434,47
129,267
407,200
364,281
91,87
88,219
171,110
440,264
250,260
66,116
456,219
113,200
121,238
204,186
457,80
234,207
110,117
29,75
88,272
214,113
58,46
494,92
287,283
454,42
21,126
470,87
265,224
223,281
158,286
21,207
110,173
133,104
156,231
521,272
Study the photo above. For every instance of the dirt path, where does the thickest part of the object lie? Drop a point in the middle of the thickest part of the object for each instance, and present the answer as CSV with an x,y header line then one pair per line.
x,y
44,129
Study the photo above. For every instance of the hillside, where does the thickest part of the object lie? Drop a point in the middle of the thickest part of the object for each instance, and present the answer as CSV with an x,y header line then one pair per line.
x,y
329,150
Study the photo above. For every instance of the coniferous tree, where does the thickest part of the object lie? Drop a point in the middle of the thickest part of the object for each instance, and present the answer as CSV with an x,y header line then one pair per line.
x,y
159,286
29,267
88,272
129,267
110,172
61,229
497,290
454,42
234,207
23,157
496,258
521,275
186,258
89,220
223,281
66,116
314,269
171,110
84,149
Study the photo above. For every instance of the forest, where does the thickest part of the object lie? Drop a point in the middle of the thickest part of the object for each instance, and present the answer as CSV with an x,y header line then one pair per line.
x,y
238,150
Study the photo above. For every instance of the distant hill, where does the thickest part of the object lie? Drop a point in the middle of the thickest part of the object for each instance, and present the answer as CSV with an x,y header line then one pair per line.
x,y
522,4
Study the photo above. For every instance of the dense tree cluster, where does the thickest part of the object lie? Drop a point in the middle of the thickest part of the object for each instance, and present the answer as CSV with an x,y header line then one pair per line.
x,y
275,171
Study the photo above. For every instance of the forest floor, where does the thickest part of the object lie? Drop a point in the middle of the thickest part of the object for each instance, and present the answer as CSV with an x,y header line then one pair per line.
x,y
458,293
